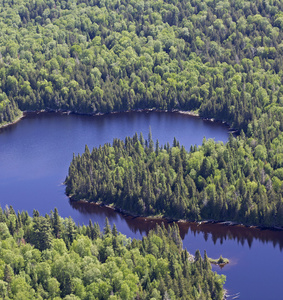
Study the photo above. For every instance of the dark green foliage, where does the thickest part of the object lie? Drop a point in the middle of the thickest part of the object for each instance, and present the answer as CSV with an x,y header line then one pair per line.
x,y
41,235
108,266
222,182
56,224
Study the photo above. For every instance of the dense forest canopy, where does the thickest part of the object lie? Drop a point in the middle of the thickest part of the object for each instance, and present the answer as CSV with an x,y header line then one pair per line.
x,y
52,258
222,58
214,181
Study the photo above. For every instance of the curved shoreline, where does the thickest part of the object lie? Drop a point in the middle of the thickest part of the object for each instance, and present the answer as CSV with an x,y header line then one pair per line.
x,y
159,217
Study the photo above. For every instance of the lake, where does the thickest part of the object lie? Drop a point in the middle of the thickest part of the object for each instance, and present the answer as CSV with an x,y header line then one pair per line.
x,y
35,155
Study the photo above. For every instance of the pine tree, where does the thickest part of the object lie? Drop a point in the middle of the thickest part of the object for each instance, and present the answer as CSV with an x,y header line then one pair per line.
x,y
42,233
71,230
107,227
57,224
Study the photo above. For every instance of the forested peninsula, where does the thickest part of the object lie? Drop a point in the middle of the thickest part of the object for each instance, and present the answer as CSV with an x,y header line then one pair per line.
x,y
215,181
53,258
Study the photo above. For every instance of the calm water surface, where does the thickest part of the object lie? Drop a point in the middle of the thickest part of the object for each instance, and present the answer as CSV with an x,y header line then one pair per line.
x,y
34,158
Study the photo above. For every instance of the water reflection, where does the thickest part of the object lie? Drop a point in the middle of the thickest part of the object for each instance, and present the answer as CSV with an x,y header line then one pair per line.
x,y
239,233
217,232
138,225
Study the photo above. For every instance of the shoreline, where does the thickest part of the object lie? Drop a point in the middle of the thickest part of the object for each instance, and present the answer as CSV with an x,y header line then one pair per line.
x,y
145,110
171,220
22,115
69,112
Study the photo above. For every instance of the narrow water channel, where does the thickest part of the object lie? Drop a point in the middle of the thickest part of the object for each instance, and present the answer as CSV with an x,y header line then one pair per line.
x,y
34,158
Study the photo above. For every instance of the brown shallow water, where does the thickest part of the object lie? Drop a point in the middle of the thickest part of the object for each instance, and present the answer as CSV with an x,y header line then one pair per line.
x,y
216,231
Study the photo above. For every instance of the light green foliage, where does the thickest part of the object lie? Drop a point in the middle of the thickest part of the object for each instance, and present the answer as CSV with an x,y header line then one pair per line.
x,y
132,269
82,246
53,287
4,231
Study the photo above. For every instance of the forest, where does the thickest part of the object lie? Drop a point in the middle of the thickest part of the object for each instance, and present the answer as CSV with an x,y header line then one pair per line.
x,y
53,258
221,59
215,181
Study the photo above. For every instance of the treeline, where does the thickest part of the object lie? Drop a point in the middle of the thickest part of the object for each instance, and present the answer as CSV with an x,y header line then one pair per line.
x,y
240,181
52,258
223,59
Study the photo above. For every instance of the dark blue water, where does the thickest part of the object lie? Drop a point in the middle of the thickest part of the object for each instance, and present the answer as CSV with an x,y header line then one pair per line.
x,y
34,159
